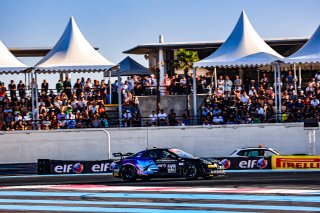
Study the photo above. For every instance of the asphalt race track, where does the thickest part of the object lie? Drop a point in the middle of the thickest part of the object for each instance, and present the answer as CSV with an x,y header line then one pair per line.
x,y
238,192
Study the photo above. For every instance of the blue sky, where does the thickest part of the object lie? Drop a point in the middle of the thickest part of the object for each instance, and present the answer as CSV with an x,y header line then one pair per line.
x,y
118,25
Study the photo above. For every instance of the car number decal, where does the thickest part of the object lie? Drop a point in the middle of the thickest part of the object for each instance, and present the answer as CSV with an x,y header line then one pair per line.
x,y
172,168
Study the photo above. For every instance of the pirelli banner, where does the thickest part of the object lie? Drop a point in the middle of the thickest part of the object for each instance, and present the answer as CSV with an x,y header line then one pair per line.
x,y
46,166
295,162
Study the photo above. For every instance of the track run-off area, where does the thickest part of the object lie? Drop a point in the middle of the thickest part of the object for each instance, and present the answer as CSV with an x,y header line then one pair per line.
x,y
238,192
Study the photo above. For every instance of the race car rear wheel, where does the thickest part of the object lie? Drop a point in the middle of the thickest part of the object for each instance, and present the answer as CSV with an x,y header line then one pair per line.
x,y
190,171
129,174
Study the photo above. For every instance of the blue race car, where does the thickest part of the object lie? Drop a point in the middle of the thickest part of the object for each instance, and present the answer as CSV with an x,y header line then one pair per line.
x,y
162,162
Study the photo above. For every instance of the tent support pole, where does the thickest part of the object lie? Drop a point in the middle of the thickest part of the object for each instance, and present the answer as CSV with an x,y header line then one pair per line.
x,y
119,100
25,79
279,90
275,93
295,76
37,101
32,100
110,88
194,84
215,78
300,75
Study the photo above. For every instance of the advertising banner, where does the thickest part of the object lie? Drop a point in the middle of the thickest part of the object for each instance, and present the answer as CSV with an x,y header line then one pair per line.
x,y
245,163
46,166
295,162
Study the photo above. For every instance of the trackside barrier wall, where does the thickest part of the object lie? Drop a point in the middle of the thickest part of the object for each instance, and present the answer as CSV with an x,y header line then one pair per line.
x,y
213,141
47,166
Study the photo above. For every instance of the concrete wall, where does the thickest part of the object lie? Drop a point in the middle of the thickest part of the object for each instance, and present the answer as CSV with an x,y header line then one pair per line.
x,y
177,102
92,144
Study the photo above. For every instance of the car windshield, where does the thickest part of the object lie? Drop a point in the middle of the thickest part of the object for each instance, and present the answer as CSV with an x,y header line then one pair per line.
x,y
181,153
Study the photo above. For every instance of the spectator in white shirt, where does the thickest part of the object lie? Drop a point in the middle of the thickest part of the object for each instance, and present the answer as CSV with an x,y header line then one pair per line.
x,y
314,102
162,118
218,119
260,111
153,118
244,98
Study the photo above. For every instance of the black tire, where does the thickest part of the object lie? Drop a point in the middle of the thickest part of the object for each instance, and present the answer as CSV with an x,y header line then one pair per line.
x,y
190,171
129,174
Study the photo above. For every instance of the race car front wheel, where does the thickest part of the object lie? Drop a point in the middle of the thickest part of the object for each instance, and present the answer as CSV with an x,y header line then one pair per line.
x,y
129,174
190,171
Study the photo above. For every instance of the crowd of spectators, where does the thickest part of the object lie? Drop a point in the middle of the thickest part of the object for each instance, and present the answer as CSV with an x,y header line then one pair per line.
x,y
237,102
82,105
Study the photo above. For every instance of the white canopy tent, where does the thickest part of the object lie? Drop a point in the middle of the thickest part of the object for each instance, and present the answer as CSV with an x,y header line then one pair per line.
x,y
9,64
72,53
309,53
243,48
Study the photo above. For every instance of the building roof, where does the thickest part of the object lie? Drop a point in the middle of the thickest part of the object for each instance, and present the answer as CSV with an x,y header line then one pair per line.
x,y
284,46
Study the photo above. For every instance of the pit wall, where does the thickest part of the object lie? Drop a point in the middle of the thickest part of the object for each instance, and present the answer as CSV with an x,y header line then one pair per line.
x,y
92,144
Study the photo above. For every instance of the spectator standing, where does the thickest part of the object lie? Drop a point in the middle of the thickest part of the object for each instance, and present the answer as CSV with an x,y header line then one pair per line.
x,y
238,83
290,79
59,87
77,87
21,89
264,81
167,84
12,88
221,83
227,87
44,87
67,87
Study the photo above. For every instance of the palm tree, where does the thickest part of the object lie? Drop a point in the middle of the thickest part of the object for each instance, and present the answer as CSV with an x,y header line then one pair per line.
x,y
184,61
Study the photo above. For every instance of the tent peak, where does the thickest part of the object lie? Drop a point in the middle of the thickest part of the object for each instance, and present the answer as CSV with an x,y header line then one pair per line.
x,y
243,43
73,52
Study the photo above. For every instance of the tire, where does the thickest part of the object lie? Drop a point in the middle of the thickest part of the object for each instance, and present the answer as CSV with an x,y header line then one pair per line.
x,y
129,174
190,171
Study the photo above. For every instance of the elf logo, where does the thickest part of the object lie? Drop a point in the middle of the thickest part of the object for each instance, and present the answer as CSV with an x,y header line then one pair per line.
x,y
69,168
251,164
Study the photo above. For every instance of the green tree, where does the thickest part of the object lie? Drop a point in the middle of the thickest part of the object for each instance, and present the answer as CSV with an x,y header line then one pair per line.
x,y
185,59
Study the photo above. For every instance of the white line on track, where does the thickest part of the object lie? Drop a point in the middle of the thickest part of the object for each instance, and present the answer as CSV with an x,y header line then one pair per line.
x,y
89,187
